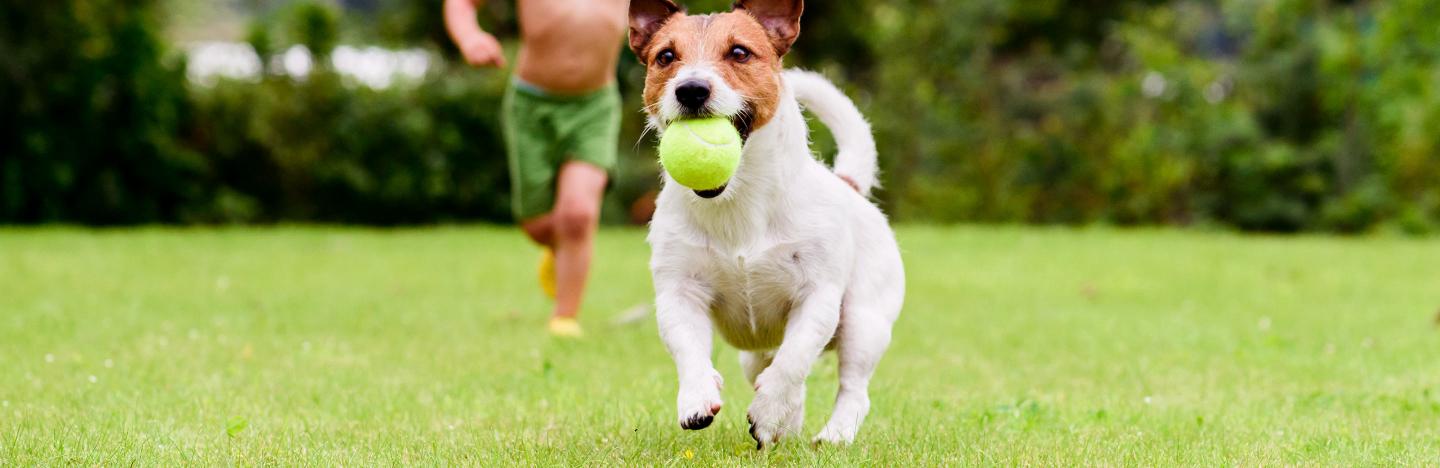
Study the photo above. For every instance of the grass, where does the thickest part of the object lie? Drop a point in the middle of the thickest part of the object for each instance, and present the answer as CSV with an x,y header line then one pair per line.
x,y
334,346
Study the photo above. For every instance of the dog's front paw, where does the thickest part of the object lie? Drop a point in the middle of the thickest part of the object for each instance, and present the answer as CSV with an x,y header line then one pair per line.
x,y
699,400
777,412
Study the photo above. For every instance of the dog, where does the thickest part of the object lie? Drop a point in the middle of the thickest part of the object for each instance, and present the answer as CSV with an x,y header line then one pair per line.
x,y
789,258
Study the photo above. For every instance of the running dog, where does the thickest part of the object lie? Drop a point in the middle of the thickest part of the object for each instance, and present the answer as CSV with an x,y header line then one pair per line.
x,y
789,258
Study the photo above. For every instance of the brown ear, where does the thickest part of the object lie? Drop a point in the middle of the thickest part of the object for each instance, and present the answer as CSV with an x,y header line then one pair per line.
x,y
781,19
646,18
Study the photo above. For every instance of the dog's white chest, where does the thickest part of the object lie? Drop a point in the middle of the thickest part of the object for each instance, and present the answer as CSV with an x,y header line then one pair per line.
x,y
753,295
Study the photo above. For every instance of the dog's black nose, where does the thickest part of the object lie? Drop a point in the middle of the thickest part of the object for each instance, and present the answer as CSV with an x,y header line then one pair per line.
x,y
692,95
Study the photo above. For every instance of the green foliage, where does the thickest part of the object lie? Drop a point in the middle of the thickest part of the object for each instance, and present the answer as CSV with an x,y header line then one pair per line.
x,y
1276,116
410,23
1263,115
1387,66
316,26
89,114
321,149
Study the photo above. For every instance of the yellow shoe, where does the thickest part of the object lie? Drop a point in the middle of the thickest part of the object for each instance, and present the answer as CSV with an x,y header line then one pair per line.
x,y
547,272
565,327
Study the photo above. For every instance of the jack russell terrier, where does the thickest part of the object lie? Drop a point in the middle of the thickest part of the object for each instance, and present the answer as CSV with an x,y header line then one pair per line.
x,y
787,259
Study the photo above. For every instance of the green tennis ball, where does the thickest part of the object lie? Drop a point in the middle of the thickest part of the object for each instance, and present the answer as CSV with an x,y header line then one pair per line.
x,y
702,153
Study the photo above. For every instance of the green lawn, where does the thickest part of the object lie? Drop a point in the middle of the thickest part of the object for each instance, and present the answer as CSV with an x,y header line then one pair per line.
x,y
335,346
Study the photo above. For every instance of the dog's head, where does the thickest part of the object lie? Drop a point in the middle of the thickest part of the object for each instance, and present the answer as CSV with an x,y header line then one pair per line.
x,y
722,64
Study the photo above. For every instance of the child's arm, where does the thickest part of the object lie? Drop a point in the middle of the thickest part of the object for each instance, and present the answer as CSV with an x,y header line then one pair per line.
x,y
477,46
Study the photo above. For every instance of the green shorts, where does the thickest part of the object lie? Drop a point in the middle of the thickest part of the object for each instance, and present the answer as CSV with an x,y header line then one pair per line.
x,y
544,130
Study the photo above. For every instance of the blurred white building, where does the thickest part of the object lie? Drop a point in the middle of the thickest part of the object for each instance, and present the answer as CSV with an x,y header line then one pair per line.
x,y
374,67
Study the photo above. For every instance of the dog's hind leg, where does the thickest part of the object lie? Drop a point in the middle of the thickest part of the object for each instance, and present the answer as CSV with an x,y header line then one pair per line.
x,y
862,339
779,405
755,362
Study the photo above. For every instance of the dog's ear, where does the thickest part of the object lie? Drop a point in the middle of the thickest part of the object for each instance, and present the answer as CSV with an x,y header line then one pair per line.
x,y
781,19
646,18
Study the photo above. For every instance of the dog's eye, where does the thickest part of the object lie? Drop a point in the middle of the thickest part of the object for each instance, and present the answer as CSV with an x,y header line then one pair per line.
x,y
665,57
739,54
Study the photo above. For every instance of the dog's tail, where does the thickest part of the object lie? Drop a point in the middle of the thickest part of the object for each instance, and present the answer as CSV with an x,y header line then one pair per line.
x,y
855,160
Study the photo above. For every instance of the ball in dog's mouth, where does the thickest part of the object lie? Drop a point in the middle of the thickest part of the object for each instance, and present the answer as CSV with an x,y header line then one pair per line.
x,y
712,193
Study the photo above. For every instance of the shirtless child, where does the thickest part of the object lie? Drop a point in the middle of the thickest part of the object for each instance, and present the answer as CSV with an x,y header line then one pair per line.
x,y
561,119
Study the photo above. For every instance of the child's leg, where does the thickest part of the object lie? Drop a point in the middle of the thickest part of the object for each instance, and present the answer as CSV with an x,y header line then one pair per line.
x,y
580,189
540,229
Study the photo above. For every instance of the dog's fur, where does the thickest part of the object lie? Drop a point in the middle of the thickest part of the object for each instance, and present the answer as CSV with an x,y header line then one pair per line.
x,y
789,258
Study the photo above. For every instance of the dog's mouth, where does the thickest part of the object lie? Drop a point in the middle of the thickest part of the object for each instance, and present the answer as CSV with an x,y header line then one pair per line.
x,y
744,121
712,193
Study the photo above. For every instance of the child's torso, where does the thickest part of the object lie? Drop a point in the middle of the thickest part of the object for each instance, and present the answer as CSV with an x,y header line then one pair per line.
x,y
570,46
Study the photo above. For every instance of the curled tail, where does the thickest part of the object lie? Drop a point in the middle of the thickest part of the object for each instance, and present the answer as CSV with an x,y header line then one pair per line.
x,y
855,160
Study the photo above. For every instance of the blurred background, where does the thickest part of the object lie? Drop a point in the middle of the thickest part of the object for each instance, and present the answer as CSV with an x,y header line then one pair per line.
x,y
1263,115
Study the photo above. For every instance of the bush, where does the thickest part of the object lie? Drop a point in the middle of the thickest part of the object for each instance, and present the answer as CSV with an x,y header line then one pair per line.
x,y
319,149
1275,116
90,116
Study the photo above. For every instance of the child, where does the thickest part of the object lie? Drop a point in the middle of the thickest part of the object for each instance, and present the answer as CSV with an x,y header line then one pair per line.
x,y
561,119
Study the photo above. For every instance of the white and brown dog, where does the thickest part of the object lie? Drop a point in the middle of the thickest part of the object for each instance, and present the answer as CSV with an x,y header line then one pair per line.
x,y
789,258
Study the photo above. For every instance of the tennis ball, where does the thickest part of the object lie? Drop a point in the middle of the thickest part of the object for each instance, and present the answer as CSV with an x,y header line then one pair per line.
x,y
701,153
